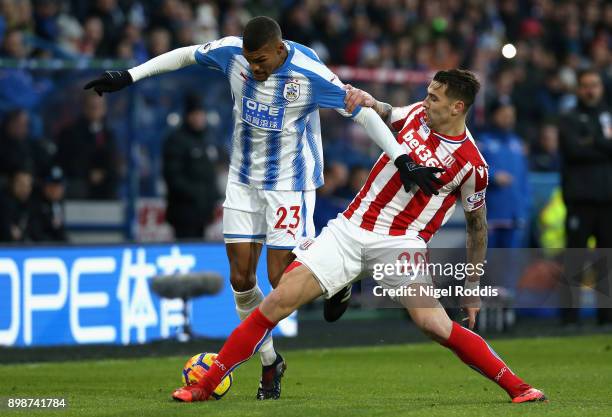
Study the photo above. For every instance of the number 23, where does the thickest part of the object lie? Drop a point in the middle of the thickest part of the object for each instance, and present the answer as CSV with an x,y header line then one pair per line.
x,y
282,213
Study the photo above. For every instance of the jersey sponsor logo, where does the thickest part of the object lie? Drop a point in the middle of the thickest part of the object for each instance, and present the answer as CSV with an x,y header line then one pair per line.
x,y
424,155
262,115
291,92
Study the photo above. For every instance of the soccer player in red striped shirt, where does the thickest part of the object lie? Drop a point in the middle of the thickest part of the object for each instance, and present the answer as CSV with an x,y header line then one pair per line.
x,y
386,214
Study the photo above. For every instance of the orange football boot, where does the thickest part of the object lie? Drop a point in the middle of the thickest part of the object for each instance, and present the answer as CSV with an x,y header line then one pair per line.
x,y
530,395
191,393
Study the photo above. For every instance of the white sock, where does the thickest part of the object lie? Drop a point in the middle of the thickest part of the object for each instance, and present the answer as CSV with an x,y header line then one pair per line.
x,y
246,302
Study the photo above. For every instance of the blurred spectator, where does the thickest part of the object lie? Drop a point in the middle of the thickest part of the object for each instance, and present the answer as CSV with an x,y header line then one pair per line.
x,y
586,149
13,45
19,88
15,142
132,35
207,26
189,160
357,177
19,149
328,204
93,34
48,218
45,18
507,193
87,153
545,156
16,208
159,42
112,18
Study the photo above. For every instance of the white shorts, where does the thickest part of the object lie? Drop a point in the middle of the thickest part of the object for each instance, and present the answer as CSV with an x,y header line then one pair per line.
x,y
278,218
336,256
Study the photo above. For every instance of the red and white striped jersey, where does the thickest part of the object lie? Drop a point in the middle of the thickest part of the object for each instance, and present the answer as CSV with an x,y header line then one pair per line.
x,y
383,206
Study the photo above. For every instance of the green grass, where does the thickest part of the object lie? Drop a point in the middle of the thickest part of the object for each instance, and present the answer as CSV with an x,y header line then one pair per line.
x,y
401,380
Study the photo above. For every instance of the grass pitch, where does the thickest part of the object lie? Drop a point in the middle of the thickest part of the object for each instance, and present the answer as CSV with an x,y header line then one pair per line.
x,y
401,380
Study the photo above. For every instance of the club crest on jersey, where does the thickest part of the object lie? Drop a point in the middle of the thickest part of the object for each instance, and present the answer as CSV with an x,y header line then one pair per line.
x,y
291,92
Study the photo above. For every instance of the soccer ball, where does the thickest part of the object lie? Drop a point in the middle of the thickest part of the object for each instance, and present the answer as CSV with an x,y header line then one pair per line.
x,y
197,366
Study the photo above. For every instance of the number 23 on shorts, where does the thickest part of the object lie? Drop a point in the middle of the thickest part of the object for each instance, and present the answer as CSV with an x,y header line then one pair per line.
x,y
287,217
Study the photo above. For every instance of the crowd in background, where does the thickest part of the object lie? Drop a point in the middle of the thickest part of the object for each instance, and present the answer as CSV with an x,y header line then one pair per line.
x,y
516,121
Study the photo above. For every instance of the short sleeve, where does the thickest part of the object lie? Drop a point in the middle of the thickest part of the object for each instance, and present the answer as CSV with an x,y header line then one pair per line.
x,y
400,114
329,92
473,188
220,53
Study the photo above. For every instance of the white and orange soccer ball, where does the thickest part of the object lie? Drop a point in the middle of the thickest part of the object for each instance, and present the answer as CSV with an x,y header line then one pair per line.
x,y
197,366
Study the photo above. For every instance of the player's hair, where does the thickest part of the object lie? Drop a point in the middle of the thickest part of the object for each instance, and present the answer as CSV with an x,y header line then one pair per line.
x,y
259,31
460,85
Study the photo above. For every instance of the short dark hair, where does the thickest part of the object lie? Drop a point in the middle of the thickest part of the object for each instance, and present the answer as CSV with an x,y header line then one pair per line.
x,y
259,31
460,85
586,71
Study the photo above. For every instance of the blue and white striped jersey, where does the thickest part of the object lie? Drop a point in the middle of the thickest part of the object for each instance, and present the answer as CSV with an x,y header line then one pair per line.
x,y
276,143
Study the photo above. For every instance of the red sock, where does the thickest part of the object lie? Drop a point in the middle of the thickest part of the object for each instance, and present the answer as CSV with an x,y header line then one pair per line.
x,y
243,343
478,355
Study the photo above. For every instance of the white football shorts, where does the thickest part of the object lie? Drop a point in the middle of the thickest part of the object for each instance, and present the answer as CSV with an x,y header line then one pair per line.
x,y
278,218
336,256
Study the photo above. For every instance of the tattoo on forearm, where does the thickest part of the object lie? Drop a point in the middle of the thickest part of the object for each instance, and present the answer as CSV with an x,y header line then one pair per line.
x,y
476,241
476,225
383,110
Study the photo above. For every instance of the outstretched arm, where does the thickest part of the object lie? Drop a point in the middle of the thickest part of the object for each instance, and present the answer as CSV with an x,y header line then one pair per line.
x,y
170,61
112,81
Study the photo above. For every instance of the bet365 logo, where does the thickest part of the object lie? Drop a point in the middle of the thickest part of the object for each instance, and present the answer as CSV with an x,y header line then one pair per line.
x,y
424,156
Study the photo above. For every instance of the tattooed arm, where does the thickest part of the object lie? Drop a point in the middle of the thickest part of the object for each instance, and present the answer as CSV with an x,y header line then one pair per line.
x,y
476,245
476,240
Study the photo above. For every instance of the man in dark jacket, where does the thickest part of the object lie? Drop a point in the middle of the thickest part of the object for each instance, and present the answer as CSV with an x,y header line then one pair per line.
x,y
189,171
16,207
88,154
48,218
586,150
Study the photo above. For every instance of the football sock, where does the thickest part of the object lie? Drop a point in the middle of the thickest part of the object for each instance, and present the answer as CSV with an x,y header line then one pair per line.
x,y
244,341
246,302
478,355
